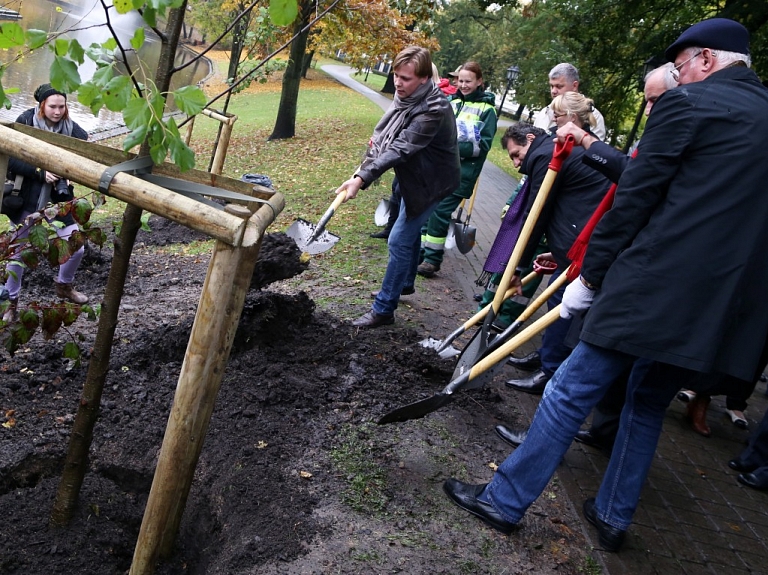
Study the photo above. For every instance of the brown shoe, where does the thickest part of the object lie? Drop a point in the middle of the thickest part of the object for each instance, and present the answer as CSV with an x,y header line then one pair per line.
x,y
11,315
427,269
696,411
68,292
373,319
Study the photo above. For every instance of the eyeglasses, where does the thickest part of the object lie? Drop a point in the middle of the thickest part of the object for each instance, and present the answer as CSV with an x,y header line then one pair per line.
x,y
675,72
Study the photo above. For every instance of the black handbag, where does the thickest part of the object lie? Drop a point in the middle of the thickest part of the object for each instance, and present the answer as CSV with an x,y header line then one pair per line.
x,y
12,200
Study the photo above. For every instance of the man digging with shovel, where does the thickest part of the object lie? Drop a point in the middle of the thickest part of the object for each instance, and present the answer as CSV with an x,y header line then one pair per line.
x,y
416,137
676,270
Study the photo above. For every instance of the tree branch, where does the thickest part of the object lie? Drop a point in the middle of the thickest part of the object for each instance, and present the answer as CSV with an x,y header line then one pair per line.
x,y
122,51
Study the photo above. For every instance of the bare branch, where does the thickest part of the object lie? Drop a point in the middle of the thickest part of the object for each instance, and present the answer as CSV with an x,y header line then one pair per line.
x,y
122,51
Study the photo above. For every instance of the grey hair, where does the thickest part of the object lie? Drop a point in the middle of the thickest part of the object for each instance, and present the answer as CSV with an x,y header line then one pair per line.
x,y
666,70
564,70
724,57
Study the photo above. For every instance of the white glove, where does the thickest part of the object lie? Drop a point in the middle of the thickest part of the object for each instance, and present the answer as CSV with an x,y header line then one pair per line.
x,y
577,297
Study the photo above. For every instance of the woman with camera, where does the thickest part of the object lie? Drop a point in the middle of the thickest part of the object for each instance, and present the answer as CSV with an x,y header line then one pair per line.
x,y
39,188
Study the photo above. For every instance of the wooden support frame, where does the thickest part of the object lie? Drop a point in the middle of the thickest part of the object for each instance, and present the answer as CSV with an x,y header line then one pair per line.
x,y
238,230
85,162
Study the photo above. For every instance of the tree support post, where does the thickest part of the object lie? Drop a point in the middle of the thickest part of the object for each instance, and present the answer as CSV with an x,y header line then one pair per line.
x,y
213,332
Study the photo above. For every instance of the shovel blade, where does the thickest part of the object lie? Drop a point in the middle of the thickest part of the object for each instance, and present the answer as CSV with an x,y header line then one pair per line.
x,y
301,231
418,409
381,215
465,237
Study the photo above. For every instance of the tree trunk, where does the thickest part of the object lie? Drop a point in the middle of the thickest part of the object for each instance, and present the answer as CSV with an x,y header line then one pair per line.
x,y
307,63
285,124
76,463
389,84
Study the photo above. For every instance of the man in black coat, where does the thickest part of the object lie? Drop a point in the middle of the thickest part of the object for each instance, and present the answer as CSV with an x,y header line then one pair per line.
x,y
676,270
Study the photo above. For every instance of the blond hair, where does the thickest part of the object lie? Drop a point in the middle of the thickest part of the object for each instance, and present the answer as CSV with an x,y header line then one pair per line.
x,y
573,103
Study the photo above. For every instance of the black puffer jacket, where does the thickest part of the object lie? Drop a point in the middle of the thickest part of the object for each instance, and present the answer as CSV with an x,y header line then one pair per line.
x,y
34,179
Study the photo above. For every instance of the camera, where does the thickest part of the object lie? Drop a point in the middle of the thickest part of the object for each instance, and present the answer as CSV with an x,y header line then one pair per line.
x,y
62,187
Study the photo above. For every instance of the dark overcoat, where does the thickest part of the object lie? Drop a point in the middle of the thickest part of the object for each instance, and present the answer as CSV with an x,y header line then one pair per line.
x,y
682,257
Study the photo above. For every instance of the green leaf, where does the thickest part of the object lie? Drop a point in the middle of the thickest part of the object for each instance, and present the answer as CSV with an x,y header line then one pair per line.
x,y
38,237
5,102
71,350
64,76
145,222
11,35
150,16
137,113
61,47
138,38
123,6
157,102
136,137
110,44
103,75
59,252
182,155
117,93
52,320
158,152
81,211
283,12
76,52
190,99
36,38
87,93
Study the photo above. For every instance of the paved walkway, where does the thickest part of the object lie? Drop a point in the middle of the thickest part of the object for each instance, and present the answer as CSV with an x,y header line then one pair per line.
x,y
694,517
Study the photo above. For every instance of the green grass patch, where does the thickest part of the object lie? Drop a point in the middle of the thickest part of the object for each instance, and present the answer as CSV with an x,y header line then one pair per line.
x,y
355,457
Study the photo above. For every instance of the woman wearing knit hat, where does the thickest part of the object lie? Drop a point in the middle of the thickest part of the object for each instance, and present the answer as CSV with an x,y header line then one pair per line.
x,y
39,188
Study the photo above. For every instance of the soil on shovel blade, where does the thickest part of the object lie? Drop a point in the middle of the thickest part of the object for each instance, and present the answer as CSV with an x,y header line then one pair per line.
x,y
294,476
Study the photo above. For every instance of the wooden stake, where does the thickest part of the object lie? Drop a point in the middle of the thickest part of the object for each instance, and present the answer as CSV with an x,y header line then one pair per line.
x,y
218,313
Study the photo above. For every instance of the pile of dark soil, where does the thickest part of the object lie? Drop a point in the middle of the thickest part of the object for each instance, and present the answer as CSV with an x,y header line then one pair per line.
x,y
294,476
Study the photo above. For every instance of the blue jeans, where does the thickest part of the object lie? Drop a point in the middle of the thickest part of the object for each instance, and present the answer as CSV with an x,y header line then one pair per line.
x,y
404,245
570,395
553,350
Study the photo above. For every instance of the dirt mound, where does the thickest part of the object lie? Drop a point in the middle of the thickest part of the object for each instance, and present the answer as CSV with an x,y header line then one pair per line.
x,y
294,475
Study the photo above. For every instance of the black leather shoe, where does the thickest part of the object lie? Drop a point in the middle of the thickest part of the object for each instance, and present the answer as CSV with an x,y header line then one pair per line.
x,y
753,481
530,362
534,383
585,436
382,235
372,319
610,538
465,496
737,465
512,436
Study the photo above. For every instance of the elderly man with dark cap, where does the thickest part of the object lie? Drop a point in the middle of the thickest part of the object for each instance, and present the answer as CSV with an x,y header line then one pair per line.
x,y
675,276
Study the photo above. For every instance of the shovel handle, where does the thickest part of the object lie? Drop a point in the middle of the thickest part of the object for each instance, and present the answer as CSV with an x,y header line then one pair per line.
x,y
472,202
328,215
503,351
562,151
479,316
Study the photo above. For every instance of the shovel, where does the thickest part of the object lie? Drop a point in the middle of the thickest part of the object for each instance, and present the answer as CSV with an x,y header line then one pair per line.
x,y
464,233
464,364
441,346
477,347
469,379
381,215
313,239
